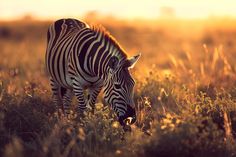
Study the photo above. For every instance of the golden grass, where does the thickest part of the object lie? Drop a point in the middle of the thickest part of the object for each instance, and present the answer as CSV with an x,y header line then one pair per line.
x,y
185,93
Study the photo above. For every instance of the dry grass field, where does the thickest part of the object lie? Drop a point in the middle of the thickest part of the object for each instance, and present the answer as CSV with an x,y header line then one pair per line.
x,y
185,93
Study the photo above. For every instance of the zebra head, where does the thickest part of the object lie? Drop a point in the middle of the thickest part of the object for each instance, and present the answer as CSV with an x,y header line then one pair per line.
x,y
118,89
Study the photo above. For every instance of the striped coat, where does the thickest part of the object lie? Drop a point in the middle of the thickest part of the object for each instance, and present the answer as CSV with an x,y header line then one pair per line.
x,y
79,58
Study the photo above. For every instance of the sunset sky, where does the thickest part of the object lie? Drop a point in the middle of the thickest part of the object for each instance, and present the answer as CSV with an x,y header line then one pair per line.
x,y
50,9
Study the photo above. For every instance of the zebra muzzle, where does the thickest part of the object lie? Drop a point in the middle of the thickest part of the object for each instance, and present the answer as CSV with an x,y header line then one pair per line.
x,y
129,120
127,123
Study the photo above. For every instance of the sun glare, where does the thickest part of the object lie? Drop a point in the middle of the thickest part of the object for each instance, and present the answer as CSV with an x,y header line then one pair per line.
x,y
148,9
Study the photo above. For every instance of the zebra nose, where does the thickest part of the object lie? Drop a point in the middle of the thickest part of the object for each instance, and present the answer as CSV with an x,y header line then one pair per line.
x,y
130,116
130,120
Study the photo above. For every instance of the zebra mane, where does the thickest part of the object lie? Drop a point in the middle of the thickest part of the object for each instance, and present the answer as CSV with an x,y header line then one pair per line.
x,y
106,34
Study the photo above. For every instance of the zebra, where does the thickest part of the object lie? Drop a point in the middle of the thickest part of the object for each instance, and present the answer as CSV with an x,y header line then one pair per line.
x,y
80,57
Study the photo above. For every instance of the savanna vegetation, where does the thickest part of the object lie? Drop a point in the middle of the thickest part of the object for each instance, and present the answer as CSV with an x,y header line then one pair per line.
x,y
185,93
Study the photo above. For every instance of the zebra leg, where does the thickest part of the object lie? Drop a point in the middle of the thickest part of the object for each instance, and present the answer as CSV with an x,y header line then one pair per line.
x,y
56,95
66,99
92,97
79,93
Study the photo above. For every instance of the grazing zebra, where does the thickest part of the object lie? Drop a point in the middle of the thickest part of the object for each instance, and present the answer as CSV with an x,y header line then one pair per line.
x,y
79,58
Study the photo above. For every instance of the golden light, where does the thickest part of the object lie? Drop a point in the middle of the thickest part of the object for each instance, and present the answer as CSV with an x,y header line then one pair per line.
x,y
115,124
148,9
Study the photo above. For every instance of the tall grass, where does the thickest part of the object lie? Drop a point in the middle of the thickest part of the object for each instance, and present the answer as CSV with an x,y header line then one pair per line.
x,y
185,96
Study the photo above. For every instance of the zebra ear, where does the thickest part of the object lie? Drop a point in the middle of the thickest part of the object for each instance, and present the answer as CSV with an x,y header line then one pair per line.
x,y
113,62
133,60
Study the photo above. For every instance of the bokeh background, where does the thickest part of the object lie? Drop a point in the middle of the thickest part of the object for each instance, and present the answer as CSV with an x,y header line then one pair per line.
x,y
131,9
185,89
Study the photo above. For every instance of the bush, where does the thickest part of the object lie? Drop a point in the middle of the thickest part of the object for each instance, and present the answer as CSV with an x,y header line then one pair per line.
x,y
193,137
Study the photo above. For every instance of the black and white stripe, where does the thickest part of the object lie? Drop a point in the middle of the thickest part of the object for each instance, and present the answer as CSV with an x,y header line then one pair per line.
x,y
81,57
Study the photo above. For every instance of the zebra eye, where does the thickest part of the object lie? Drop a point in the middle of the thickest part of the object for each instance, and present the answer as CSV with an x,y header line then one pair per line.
x,y
117,86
